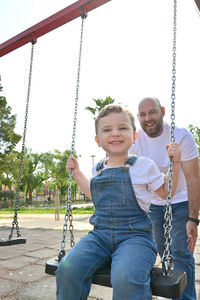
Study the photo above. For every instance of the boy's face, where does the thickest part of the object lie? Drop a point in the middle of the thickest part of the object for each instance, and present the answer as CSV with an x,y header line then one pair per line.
x,y
115,133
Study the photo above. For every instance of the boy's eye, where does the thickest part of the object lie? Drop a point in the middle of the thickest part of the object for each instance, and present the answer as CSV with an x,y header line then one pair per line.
x,y
106,130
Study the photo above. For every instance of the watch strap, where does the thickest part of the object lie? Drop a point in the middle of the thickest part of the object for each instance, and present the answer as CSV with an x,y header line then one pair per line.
x,y
193,220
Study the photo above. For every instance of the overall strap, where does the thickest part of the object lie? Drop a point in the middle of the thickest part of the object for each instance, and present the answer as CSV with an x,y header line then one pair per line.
x,y
99,166
131,160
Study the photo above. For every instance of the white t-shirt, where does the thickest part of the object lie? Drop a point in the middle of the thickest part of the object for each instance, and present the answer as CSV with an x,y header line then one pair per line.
x,y
145,177
154,148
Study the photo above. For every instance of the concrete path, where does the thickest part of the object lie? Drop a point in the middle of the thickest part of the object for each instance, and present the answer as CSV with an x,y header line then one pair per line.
x,y
22,267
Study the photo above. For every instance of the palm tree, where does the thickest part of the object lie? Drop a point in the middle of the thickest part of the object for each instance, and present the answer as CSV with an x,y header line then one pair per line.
x,y
100,103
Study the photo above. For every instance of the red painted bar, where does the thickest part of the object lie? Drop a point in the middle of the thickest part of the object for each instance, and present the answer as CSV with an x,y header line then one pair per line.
x,y
58,19
198,4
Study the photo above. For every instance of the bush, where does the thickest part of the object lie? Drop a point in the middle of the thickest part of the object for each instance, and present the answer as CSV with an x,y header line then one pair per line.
x,y
6,198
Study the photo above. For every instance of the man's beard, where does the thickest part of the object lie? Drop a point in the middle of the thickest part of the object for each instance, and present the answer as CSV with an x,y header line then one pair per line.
x,y
155,131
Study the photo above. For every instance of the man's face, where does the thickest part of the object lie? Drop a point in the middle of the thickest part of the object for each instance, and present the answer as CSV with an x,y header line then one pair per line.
x,y
150,116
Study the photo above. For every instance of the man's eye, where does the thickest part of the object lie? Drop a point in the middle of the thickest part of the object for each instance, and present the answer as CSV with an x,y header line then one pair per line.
x,y
123,128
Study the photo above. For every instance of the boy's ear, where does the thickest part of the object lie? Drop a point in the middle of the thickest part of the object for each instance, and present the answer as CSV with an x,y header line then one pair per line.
x,y
97,140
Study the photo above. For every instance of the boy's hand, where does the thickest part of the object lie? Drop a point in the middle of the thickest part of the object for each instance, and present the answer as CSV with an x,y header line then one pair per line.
x,y
72,163
174,150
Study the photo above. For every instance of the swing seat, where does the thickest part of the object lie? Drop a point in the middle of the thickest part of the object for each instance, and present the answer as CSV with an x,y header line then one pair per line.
x,y
168,286
10,242
51,266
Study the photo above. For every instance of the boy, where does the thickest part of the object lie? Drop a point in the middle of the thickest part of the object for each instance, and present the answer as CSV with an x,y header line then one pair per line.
x,y
120,189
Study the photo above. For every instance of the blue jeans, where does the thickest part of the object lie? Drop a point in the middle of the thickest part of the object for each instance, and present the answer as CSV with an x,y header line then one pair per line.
x,y
132,255
182,258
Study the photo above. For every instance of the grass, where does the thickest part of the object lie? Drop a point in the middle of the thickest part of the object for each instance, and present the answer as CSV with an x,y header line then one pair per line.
x,y
22,210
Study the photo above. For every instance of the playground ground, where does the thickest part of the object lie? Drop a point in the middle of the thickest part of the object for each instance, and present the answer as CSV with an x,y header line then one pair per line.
x,y
22,267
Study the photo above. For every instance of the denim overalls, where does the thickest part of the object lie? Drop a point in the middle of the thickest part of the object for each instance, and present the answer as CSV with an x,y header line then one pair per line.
x,y
122,235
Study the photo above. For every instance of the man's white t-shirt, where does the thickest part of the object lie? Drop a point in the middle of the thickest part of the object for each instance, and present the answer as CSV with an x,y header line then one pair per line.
x,y
145,177
155,149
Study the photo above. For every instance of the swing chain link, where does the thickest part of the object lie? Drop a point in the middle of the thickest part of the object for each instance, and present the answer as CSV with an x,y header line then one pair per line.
x,y
173,96
68,213
15,219
167,263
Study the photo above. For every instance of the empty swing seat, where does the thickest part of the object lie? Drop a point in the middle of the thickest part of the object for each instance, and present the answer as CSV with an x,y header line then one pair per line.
x,y
168,286
10,242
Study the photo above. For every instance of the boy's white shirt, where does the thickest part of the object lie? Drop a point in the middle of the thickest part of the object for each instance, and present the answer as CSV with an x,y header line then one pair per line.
x,y
145,177
154,148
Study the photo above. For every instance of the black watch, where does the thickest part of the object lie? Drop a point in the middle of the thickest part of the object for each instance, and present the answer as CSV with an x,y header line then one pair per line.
x,y
194,220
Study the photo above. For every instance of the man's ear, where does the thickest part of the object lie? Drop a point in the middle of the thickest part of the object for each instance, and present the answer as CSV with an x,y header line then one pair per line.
x,y
97,140
163,110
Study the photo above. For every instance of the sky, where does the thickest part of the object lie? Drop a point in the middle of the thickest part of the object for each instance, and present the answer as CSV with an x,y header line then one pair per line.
x,y
127,55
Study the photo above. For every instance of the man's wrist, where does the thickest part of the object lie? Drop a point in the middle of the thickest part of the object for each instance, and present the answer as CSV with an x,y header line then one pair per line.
x,y
194,220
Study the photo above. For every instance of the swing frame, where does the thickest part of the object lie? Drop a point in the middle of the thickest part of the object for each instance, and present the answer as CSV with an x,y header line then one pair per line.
x,y
54,21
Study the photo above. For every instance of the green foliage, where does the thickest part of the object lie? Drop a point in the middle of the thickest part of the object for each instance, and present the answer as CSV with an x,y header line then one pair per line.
x,y
196,133
6,198
100,103
10,168
8,138
59,173
37,168
35,174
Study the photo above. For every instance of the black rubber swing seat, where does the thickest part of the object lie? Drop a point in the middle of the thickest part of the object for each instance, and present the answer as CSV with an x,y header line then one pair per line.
x,y
10,242
168,286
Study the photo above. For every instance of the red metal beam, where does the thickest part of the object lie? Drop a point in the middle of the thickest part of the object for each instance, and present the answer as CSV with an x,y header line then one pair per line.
x,y
58,19
198,4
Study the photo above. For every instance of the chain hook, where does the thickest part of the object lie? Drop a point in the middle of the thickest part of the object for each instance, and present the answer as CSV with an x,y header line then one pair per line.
x,y
83,14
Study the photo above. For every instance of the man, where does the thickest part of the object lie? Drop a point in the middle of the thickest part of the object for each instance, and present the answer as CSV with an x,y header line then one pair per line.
x,y
151,142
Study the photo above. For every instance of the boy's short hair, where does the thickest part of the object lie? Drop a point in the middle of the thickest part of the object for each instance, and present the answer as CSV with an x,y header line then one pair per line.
x,y
110,108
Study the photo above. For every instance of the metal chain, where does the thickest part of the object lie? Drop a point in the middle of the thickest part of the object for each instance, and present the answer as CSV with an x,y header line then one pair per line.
x,y
68,212
15,221
167,263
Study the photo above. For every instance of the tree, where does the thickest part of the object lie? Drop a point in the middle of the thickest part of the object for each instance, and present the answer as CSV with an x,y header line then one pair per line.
x,y
10,166
100,103
8,138
59,174
40,168
196,133
35,174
